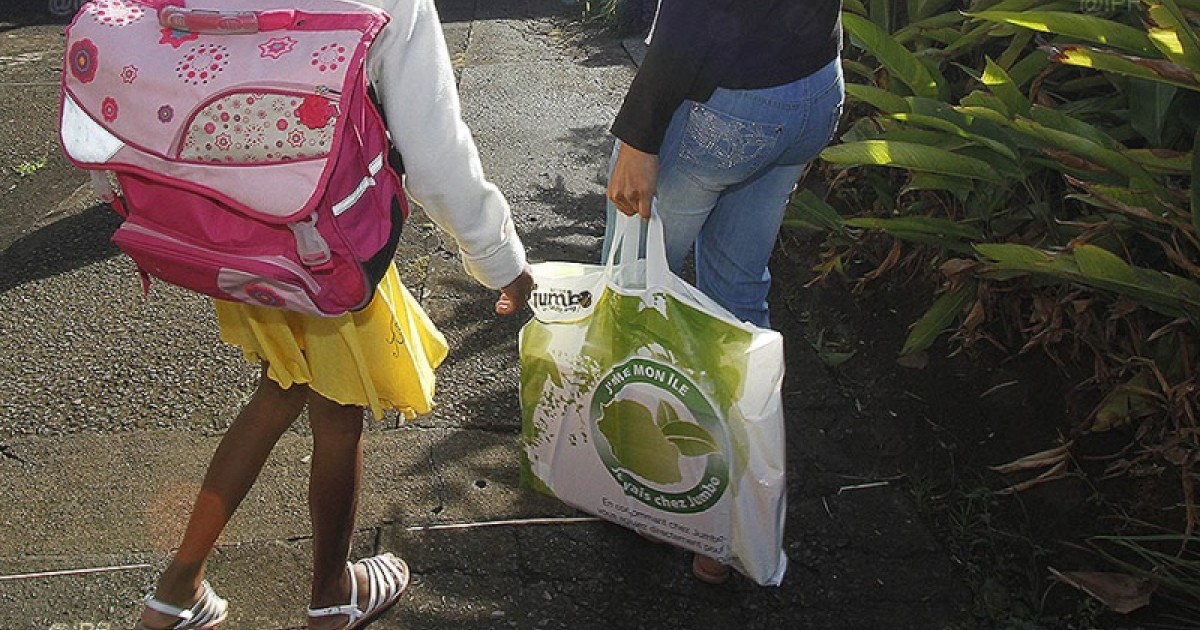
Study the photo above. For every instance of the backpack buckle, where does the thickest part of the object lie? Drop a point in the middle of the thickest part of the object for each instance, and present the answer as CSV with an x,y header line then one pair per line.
x,y
310,245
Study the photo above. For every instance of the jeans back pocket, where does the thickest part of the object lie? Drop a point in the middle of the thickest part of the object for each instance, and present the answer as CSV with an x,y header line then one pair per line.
x,y
717,144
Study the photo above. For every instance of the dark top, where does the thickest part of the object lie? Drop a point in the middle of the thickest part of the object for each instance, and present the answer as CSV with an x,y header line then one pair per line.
x,y
697,46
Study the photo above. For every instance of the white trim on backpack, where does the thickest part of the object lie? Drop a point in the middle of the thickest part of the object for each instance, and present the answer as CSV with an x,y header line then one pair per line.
x,y
374,167
83,138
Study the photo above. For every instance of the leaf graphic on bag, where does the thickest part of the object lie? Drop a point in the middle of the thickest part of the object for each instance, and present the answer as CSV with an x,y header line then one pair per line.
x,y
537,367
691,439
638,443
666,414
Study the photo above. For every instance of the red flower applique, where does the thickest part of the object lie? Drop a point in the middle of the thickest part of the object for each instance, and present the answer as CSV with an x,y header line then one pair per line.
x,y
129,74
83,60
316,111
109,109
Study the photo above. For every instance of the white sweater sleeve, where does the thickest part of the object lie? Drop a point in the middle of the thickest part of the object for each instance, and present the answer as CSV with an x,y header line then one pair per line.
x,y
410,67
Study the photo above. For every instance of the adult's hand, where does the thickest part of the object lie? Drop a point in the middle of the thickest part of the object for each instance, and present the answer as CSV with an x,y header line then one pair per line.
x,y
515,294
634,180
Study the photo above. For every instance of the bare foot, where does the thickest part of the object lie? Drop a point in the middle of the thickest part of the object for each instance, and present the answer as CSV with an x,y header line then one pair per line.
x,y
709,570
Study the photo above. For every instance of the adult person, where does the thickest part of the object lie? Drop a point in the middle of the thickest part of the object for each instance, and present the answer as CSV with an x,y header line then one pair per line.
x,y
733,100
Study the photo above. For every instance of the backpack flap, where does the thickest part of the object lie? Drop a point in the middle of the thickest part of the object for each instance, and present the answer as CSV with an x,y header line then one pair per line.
x,y
236,100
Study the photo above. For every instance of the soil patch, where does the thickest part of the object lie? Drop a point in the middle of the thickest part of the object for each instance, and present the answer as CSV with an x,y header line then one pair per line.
x,y
937,430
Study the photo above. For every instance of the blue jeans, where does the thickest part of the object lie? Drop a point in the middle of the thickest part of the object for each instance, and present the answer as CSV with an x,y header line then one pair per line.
x,y
726,170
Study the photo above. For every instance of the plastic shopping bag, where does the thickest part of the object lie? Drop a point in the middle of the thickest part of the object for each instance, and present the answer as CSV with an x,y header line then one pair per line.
x,y
647,404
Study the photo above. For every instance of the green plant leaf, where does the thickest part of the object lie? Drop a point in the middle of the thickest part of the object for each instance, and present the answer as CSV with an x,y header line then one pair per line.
x,y
971,40
1123,404
1101,264
1092,266
1153,100
1085,148
638,443
857,68
1126,201
938,318
958,186
932,231
691,439
1004,88
1056,119
941,124
900,63
1174,35
1088,28
984,106
1016,47
855,6
1108,61
1006,168
1162,161
808,211
921,137
1030,66
914,30
907,155
834,359
932,226
879,98
880,12
1012,254
922,9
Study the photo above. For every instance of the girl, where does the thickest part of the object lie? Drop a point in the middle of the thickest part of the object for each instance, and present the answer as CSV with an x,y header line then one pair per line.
x,y
380,357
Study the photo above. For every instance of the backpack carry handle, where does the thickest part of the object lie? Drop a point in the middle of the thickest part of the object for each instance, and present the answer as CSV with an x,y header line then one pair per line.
x,y
223,22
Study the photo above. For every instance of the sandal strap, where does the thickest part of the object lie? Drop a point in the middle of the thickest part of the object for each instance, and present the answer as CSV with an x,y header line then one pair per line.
x,y
351,610
167,609
207,610
384,579
387,577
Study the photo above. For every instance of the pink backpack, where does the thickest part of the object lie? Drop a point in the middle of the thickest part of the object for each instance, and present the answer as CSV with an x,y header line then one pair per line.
x,y
252,164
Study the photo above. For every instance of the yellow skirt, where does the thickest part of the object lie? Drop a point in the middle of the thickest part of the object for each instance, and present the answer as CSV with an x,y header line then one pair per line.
x,y
381,357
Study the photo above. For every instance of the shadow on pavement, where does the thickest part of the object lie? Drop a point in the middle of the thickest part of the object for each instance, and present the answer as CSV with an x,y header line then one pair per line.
x,y
21,13
67,244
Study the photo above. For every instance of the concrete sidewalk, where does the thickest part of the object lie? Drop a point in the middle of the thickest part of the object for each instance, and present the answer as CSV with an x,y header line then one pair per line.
x,y
110,407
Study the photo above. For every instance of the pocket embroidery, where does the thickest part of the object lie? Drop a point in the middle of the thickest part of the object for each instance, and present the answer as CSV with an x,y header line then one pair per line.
x,y
722,141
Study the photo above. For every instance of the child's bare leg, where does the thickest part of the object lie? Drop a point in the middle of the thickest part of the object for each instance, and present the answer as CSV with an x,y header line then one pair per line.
x,y
235,466
333,499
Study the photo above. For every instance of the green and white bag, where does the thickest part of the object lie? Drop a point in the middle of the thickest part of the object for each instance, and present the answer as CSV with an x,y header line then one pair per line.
x,y
646,403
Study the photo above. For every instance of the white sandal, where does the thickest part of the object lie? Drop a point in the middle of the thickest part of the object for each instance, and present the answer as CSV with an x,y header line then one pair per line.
x,y
387,577
207,613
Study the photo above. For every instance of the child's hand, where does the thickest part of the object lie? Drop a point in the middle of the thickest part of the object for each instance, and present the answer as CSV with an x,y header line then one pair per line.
x,y
514,296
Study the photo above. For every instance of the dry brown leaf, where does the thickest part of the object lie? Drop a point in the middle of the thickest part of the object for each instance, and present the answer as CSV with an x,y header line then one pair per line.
x,y
1059,471
1036,460
1119,592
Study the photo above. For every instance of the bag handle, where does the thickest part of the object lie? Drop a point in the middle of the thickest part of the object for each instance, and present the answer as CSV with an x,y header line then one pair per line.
x,y
173,14
628,236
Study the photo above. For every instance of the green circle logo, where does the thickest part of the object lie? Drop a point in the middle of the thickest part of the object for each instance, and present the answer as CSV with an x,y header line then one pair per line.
x,y
662,438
